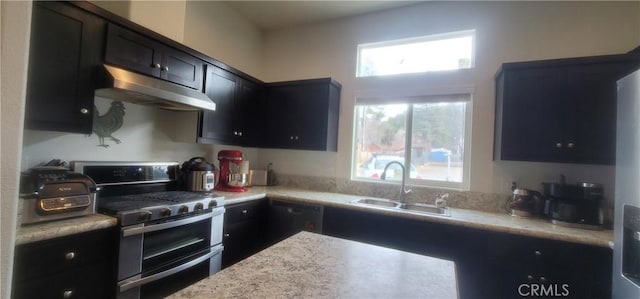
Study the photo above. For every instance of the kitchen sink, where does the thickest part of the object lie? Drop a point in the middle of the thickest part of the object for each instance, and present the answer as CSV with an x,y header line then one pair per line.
x,y
377,202
408,207
425,208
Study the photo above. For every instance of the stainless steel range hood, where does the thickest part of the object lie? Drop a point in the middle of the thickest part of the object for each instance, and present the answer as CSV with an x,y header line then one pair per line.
x,y
139,89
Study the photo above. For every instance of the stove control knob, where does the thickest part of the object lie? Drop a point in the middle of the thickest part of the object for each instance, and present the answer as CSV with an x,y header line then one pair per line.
x,y
183,209
213,204
144,216
198,207
165,212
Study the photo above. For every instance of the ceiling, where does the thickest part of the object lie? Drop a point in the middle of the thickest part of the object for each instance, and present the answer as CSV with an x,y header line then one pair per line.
x,y
270,15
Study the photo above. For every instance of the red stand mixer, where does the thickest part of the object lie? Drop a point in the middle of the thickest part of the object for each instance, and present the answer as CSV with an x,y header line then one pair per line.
x,y
234,173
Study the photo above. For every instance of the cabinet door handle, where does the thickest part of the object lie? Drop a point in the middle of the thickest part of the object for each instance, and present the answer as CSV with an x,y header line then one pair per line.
x,y
558,145
155,65
245,212
164,68
84,110
537,253
67,294
240,134
70,255
530,277
570,145
227,235
543,279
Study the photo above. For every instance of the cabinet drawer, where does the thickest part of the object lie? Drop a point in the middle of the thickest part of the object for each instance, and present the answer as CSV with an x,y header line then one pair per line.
x,y
244,211
84,282
514,247
51,257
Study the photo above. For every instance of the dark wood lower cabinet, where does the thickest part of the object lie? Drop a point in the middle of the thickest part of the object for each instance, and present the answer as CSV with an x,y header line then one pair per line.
x,y
245,230
488,264
76,266
532,267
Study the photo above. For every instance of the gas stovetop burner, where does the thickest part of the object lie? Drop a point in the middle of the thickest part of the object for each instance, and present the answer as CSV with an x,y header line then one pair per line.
x,y
137,192
139,208
165,197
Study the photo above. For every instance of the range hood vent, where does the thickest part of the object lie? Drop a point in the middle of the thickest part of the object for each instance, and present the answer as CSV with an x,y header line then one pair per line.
x,y
139,89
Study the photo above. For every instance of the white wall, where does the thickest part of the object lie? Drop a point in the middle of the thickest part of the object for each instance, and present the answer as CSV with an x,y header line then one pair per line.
x,y
165,17
215,29
506,31
15,23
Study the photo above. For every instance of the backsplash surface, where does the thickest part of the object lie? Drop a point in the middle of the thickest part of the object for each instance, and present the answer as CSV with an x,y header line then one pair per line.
x,y
495,203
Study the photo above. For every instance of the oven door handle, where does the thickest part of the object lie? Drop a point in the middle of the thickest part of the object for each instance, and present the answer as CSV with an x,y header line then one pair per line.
x,y
165,225
124,286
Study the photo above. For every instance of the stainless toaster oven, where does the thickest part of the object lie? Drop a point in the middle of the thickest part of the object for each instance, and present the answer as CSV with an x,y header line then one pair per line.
x,y
52,193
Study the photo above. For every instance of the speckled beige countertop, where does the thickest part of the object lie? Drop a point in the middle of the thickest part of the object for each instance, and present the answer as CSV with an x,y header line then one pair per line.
x,y
64,227
309,265
499,222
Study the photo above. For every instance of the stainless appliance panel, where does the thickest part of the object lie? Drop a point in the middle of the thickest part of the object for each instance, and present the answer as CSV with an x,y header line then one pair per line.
x,y
145,90
288,218
627,178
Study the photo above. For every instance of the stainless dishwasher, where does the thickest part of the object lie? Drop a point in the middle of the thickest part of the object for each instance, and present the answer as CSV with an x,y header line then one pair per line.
x,y
288,218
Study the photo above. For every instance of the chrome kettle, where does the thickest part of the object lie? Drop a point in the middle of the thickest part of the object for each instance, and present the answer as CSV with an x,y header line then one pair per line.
x,y
198,175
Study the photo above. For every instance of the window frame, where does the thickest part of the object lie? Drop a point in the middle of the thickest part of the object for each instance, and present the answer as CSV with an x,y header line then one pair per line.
x,y
364,99
425,38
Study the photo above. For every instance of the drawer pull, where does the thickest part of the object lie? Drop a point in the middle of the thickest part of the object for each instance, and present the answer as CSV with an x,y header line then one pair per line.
x,y
70,255
67,294
537,253
245,212
543,279
530,277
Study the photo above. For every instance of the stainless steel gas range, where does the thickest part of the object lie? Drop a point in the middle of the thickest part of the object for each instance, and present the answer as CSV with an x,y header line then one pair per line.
x,y
168,238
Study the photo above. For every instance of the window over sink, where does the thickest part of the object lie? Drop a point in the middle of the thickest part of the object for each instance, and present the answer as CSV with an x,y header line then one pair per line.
x,y
428,134
408,109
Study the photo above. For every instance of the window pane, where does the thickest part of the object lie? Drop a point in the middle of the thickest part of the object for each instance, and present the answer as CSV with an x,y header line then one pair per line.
x,y
437,145
430,53
380,138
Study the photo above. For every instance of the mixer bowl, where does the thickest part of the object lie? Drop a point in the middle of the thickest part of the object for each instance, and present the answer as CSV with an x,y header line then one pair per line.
x,y
238,179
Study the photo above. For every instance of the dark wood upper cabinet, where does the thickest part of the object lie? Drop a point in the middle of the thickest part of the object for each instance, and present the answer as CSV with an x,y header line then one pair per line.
x,y
239,115
303,114
70,42
65,57
144,55
559,110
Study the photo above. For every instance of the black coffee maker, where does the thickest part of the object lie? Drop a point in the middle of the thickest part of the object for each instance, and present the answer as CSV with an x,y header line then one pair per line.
x,y
578,205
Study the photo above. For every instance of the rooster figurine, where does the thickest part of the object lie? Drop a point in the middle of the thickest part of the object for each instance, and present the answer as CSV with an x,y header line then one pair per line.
x,y
104,125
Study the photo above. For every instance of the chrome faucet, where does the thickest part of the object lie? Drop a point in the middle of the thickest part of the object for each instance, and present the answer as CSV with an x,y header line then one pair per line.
x,y
403,192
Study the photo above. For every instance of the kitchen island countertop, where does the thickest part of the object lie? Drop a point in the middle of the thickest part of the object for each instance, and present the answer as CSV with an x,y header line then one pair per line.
x,y
309,265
